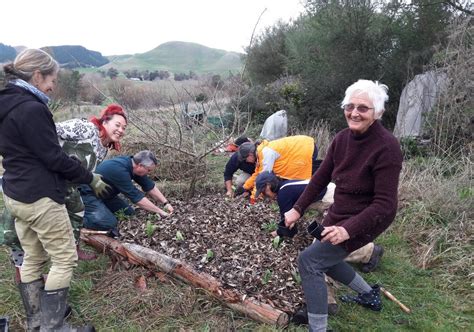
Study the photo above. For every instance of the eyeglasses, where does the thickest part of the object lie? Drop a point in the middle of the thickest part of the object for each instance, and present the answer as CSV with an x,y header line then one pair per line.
x,y
359,108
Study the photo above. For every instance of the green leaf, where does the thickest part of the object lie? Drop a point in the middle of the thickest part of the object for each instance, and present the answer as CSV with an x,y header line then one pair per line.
x,y
150,228
266,277
276,242
179,236
209,254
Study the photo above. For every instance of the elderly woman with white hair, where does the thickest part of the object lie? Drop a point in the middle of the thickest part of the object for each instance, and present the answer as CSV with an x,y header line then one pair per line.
x,y
364,161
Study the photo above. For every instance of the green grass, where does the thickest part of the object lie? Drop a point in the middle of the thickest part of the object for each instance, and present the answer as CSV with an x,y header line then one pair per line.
x,y
110,301
180,57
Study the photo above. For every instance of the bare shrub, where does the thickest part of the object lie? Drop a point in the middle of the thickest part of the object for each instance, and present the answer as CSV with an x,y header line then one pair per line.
x,y
135,95
437,193
181,134
92,85
322,135
451,122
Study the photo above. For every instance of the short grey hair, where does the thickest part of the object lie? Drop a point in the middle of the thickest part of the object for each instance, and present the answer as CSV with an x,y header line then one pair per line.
x,y
145,158
376,91
28,61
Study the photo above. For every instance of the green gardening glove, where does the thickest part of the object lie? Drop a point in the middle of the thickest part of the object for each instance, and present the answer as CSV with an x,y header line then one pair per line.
x,y
98,185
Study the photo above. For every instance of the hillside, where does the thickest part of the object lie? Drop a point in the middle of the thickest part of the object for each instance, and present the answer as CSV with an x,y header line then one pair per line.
x,y
73,56
68,56
179,57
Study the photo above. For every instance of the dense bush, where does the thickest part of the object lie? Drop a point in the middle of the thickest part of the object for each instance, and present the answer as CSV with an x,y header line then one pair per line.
x,y
337,42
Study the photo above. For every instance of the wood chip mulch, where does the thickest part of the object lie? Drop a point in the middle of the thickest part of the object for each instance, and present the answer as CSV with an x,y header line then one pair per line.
x,y
230,240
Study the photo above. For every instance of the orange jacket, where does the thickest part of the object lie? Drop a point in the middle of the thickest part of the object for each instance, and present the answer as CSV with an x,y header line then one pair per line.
x,y
295,161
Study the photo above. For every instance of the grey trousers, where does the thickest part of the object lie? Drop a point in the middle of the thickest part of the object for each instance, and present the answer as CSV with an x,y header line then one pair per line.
x,y
315,261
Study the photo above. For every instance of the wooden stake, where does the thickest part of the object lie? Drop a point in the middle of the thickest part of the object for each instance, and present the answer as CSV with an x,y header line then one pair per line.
x,y
394,299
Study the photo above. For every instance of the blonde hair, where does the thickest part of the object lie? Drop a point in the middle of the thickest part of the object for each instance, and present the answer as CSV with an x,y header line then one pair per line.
x,y
28,61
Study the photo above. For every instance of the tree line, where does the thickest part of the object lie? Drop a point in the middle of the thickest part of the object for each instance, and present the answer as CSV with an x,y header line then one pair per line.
x,y
304,66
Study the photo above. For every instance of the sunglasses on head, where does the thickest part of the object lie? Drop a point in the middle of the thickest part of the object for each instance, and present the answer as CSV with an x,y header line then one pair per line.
x,y
359,108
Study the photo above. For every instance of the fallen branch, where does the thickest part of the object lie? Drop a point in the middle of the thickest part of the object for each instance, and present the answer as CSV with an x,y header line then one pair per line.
x,y
138,255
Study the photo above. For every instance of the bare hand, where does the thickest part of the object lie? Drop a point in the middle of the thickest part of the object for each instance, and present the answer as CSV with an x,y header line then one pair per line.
x,y
163,214
334,234
169,207
291,217
229,194
246,194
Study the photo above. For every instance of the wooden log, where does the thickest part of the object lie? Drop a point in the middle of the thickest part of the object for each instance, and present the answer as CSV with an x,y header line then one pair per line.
x,y
139,255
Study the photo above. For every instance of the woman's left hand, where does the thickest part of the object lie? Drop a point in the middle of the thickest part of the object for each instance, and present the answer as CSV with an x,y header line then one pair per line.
x,y
334,234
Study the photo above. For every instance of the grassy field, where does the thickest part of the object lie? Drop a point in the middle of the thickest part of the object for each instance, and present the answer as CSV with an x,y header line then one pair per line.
x,y
109,299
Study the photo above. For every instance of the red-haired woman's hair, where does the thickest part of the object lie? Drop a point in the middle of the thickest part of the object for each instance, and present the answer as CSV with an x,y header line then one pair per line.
x,y
105,115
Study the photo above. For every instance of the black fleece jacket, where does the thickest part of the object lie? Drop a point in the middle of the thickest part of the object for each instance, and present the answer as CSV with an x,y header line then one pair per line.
x,y
35,165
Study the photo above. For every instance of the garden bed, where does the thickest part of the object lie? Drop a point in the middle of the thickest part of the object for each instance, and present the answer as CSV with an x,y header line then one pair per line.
x,y
231,241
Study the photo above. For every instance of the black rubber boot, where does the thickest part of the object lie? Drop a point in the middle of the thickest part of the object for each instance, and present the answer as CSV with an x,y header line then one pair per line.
x,y
369,300
53,309
300,317
30,295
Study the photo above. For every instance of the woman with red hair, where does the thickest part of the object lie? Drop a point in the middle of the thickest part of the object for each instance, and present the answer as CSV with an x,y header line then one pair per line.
x,y
103,133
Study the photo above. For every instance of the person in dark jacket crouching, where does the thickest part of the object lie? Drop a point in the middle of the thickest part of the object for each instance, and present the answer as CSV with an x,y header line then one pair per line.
x,y
364,161
233,165
34,187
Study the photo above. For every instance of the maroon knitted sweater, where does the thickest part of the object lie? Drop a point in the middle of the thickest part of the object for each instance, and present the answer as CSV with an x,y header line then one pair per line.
x,y
365,169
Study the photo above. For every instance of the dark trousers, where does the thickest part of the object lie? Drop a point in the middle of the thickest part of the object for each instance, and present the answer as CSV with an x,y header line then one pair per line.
x,y
315,261
99,213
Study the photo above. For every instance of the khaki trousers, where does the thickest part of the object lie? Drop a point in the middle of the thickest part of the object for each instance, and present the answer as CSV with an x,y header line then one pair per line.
x,y
241,178
45,233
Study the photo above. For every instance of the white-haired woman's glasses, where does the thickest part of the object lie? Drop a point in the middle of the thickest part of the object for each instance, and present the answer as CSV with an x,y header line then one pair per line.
x,y
360,108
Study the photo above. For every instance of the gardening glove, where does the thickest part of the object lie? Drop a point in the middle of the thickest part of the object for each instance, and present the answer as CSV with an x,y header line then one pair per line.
x,y
98,185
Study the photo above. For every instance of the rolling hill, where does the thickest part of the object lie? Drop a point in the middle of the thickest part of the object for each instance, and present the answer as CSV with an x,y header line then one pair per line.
x,y
74,56
179,57
175,57
68,56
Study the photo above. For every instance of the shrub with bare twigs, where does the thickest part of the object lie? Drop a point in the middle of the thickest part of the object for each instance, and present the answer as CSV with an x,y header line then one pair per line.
x,y
451,124
436,192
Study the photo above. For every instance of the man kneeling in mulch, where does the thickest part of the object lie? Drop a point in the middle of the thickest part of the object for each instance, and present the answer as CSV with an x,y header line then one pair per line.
x,y
286,193
120,173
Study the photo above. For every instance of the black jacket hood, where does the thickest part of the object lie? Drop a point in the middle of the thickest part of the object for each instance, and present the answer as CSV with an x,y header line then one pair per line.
x,y
10,98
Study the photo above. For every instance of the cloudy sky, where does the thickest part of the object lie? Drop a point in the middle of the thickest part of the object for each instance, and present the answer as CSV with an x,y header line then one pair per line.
x,y
115,27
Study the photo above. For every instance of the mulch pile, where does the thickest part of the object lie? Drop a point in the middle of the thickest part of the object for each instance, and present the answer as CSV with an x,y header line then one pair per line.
x,y
230,240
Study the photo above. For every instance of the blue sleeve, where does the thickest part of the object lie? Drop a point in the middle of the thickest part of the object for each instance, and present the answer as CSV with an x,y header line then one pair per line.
x,y
144,182
286,198
231,167
120,176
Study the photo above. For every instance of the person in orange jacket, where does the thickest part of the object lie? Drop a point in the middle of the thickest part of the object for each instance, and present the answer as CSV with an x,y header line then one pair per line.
x,y
290,158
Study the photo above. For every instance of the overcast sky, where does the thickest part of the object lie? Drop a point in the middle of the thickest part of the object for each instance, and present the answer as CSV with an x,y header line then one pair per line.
x,y
115,27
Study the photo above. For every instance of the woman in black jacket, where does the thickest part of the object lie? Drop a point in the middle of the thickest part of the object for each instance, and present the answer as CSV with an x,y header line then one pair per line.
x,y
34,186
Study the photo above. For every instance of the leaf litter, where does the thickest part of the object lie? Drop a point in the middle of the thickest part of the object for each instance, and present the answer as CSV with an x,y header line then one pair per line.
x,y
230,240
